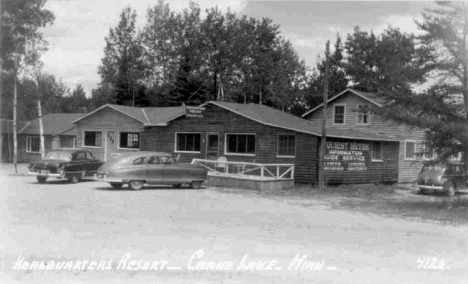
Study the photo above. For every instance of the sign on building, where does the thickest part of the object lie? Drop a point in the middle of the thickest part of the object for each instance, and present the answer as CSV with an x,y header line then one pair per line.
x,y
194,111
346,156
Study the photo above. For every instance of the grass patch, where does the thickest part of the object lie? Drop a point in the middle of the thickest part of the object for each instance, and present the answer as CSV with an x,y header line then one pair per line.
x,y
388,200
442,209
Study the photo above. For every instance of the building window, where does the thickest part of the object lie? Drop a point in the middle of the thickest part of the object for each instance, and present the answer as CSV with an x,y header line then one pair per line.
x,y
129,140
74,143
188,142
339,114
363,114
92,138
410,150
286,145
377,151
240,144
33,144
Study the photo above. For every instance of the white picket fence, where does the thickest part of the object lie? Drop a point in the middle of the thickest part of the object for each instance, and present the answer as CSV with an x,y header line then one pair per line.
x,y
248,170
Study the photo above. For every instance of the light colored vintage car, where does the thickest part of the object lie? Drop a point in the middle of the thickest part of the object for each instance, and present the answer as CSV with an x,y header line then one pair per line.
x,y
140,168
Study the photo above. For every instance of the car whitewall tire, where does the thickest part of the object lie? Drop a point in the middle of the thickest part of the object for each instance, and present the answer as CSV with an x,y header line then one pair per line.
x,y
135,184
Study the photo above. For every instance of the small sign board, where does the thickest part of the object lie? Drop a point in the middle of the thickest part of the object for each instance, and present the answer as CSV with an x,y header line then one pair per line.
x,y
194,111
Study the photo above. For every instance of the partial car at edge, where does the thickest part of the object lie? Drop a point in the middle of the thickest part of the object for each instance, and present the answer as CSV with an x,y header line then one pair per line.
x,y
447,177
153,168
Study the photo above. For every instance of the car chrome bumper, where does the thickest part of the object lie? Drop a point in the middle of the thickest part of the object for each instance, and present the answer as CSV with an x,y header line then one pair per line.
x,y
46,175
430,187
106,179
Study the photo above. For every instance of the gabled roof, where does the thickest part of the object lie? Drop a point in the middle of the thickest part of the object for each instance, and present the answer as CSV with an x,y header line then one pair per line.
x,y
133,112
372,98
161,115
53,123
148,116
6,125
276,118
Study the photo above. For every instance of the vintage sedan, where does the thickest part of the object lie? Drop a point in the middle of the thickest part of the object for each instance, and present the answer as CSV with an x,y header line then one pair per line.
x,y
70,164
140,168
447,177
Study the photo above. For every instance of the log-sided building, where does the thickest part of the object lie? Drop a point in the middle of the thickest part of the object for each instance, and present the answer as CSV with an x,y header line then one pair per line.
x,y
258,133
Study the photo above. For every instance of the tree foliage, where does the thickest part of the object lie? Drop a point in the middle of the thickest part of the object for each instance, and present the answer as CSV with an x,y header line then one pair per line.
x,y
21,41
391,61
338,80
122,64
182,57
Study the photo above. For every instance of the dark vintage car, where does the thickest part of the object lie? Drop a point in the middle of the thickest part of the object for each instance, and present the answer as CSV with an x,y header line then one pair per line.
x,y
140,168
71,164
447,177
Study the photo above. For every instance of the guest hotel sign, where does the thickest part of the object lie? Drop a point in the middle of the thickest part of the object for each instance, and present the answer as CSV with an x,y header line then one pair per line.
x,y
346,156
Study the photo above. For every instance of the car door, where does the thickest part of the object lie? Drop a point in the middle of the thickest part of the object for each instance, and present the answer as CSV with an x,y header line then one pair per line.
x,y
154,170
77,165
172,170
91,166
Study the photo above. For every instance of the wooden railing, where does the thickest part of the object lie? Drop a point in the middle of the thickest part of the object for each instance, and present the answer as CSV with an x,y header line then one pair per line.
x,y
245,169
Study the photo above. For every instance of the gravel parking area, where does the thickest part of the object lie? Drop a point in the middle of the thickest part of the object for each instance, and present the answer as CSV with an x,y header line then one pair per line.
x,y
89,233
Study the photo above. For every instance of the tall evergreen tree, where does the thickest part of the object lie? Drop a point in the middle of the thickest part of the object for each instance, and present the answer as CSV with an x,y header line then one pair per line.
x,y
443,108
337,77
122,65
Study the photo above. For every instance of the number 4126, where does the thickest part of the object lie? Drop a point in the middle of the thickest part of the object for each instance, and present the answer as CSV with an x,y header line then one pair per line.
x,y
431,263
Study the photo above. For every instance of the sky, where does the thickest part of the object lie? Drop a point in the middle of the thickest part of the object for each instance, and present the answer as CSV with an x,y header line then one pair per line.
x,y
77,36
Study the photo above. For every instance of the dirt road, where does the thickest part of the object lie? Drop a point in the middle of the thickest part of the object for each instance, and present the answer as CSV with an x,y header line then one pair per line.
x,y
87,233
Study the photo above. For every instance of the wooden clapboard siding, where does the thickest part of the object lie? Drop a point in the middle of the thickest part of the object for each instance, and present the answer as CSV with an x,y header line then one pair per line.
x,y
105,120
27,157
408,169
222,121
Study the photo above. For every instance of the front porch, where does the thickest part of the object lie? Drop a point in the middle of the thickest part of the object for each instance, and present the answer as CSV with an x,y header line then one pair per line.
x,y
256,176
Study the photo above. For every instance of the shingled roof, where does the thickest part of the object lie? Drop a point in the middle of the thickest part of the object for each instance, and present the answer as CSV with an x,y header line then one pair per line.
x,y
370,97
53,124
147,116
276,118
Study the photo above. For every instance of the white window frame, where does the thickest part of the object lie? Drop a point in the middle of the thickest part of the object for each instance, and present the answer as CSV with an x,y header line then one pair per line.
x,y
358,113
192,152
334,114
277,145
28,144
414,150
239,154
84,138
125,148
381,151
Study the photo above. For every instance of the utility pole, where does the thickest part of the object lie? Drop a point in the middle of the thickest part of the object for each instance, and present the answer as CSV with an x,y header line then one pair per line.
x,y
323,141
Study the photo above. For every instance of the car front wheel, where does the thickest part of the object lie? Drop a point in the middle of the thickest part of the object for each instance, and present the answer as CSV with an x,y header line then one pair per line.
x,y
116,185
74,179
136,184
41,179
195,184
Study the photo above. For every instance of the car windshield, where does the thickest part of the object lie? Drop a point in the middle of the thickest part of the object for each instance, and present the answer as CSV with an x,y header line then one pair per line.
x,y
55,155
